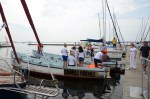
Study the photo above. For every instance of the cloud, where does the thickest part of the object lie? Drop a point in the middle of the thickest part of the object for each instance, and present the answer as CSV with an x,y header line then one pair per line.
x,y
71,19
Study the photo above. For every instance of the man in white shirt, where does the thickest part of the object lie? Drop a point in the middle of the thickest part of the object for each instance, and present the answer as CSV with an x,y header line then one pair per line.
x,y
64,55
98,58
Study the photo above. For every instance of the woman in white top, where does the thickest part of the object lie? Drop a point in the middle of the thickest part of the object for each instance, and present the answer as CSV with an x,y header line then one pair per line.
x,y
132,57
71,60
81,56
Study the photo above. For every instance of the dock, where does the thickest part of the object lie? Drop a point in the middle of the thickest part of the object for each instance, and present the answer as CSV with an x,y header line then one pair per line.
x,y
132,86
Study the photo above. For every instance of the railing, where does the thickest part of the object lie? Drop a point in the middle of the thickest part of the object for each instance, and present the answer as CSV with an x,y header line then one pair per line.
x,y
146,92
14,73
38,89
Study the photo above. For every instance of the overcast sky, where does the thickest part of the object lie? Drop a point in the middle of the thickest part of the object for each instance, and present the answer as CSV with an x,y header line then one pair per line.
x,y
72,20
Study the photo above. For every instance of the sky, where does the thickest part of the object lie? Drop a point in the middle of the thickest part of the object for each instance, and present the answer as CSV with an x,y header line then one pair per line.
x,y
73,20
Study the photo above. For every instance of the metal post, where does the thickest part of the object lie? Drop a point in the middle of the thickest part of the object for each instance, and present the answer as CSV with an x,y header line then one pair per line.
x,y
142,77
42,96
35,96
148,77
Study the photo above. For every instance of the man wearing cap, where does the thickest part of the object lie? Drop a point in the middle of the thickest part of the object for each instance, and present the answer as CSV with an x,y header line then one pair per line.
x,y
98,58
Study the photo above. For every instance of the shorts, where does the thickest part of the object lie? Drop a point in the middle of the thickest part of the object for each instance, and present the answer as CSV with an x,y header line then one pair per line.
x,y
71,65
81,59
97,61
64,58
144,62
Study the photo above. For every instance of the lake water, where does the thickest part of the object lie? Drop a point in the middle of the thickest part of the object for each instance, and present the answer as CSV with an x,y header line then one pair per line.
x,y
91,89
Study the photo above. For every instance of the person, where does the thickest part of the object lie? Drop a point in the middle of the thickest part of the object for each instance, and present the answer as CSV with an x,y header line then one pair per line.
x,y
73,50
91,50
114,42
145,52
105,57
98,58
71,60
39,50
64,52
133,52
81,56
88,50
103,47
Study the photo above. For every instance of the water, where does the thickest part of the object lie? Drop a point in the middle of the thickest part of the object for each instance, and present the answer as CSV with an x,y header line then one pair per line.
x,y
88,89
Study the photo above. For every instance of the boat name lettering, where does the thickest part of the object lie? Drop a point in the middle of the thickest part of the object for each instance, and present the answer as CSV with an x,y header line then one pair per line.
x,y
79,73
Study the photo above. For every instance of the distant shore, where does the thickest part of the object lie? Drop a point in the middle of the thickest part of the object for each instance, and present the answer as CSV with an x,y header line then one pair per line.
x,y
60,44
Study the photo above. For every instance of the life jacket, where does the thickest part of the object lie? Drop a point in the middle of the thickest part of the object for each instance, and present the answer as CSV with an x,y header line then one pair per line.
x,y
114,41
105,51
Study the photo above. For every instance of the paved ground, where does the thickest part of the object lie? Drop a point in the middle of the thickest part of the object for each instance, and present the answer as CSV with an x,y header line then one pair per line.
x,y
133,81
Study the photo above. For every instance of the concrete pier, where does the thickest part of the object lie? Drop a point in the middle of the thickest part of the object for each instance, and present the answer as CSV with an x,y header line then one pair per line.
x,y
132,87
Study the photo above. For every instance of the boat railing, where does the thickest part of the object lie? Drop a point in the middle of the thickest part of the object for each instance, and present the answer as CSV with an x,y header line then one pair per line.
x,y
14,73
53,77
39,89
49,67
146,91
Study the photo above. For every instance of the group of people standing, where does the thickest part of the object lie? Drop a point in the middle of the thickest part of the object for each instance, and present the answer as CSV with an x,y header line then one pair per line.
x,y
144,52
76,56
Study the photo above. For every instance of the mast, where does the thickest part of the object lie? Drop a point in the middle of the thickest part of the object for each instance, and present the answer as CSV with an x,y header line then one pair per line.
x,y
103,19
109,31
99,25
8,32
112,22
30,20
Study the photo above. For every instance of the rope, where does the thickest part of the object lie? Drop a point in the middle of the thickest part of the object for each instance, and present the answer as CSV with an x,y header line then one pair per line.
x,y
53,78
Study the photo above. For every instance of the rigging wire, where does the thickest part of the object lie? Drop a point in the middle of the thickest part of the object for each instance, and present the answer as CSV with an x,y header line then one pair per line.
x,y
138,31
144,28
118,28
112,22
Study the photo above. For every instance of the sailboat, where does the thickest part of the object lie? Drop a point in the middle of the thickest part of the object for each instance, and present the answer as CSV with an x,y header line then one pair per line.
x,y
4,44
114,53
11,84
44,67
10,81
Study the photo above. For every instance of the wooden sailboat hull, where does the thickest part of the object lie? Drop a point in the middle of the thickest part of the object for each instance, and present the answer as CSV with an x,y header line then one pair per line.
x,y
38,68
